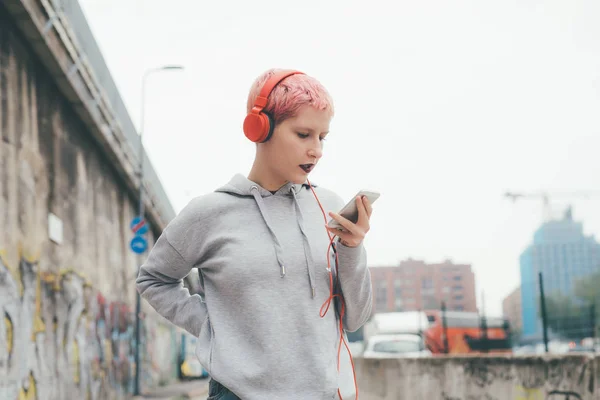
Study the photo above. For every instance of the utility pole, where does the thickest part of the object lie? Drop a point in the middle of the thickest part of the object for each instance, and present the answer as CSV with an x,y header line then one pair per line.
x,y
543,306
484,333
445,328
140,219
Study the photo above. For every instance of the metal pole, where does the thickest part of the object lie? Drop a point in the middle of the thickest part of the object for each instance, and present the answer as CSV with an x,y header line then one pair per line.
x,y
484,335
138,310
593,321
543,306
141,149
138,300
142,130
445,328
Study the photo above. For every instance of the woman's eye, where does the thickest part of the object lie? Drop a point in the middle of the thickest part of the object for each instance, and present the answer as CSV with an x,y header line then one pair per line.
x,y
302,135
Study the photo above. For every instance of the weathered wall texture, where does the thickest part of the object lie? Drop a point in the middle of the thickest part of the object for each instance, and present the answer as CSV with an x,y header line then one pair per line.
x,y
572,377
66,321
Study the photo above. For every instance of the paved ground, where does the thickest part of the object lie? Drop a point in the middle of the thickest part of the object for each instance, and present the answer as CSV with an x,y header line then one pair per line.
x,y
190,390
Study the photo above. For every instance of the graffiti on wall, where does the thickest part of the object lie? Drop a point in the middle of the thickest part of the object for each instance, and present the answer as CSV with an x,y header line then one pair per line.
x,y
60,338
556,379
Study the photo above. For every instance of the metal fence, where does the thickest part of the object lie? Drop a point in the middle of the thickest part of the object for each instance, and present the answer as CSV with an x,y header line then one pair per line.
x,y
568,309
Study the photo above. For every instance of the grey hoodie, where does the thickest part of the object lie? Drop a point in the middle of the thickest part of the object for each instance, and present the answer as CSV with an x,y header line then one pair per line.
x,y
262,259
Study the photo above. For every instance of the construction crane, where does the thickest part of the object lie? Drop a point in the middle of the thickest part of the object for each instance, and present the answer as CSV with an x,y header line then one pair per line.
x,y
545,196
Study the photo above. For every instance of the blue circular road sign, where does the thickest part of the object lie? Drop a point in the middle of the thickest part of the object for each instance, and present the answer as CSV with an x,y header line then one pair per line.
x,y
138,244
139,226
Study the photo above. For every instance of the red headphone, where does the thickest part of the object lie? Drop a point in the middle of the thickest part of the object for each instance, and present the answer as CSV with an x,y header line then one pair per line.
x,y
258,125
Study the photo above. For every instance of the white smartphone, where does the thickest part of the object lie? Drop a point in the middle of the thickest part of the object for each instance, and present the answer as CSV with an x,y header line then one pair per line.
x,y
349,211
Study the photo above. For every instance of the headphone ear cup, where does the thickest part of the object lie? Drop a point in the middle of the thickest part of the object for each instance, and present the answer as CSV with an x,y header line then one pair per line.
x,y
257,127
271,127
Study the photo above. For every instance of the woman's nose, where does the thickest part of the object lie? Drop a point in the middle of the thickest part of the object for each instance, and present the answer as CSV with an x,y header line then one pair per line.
x,y
317,153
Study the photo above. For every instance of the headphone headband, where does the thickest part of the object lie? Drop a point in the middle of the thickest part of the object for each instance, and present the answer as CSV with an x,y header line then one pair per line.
x,y
258,126
271,83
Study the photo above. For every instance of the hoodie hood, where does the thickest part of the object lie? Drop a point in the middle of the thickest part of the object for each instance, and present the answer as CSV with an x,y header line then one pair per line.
x,y
242,186
239,185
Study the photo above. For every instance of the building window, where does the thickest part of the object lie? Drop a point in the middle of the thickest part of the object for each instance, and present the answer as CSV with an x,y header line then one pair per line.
x,y
459,297
398,288
430,303
427,287
398,304
381,295
458,278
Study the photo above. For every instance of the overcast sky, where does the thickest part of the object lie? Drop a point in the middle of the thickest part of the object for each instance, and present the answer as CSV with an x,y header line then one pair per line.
x,y
441,106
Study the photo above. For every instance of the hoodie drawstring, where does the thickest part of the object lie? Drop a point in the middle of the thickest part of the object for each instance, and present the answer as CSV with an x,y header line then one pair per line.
x,y
276,242
307,251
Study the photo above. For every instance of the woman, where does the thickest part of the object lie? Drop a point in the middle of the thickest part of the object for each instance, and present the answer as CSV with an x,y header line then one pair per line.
x,y
266,259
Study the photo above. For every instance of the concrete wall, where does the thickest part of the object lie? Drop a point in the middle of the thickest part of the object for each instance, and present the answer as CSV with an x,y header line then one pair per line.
x,y
573,377
66,322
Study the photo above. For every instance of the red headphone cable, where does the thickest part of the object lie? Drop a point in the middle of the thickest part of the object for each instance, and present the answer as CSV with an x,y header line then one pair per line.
x,y
332,296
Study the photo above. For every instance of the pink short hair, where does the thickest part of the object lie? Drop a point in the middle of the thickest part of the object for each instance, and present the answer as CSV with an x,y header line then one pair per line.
x,y
290,94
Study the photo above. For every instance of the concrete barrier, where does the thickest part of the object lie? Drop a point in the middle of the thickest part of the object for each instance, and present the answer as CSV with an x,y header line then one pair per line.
x,y
566,377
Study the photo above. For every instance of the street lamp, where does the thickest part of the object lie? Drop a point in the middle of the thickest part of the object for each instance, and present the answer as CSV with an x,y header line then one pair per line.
x,y
147,73
138,302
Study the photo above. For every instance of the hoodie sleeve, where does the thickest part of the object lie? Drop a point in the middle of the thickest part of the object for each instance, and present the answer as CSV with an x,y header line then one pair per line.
x,y
160,279
355,280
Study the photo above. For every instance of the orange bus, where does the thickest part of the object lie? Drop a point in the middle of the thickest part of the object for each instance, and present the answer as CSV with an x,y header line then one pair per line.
x,y
466,333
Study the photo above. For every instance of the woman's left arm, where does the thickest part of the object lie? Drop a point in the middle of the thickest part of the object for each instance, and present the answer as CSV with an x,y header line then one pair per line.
x,y
353,272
